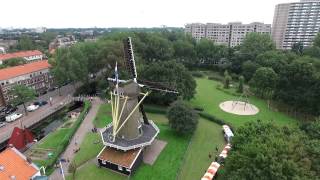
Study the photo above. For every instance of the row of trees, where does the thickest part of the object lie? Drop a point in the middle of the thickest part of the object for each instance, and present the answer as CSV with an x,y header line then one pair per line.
x,y
266,151
289,77
85,60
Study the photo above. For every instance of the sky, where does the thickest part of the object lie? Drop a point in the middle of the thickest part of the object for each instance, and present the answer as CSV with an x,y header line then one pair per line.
x,y
132,13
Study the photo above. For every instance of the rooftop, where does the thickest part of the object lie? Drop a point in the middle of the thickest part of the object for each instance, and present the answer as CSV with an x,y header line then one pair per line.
x,y
20,54
14,164
124,159
16,71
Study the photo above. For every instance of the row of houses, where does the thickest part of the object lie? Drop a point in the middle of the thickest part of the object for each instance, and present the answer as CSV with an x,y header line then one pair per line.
x,y
34,74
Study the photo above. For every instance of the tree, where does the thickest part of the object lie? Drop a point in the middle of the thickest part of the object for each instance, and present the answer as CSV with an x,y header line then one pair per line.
x,y
273,59
227,80
255,44
241,84
316,41
268,151
25,43
171,74
12,62
185,52
313,51
248,69
263,83
182,118
297,48
298,85
22,94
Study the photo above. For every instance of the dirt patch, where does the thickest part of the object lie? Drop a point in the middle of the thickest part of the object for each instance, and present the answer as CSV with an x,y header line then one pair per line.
x,y
239,108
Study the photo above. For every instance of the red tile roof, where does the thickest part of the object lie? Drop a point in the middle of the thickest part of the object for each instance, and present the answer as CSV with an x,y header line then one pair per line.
x,y
13,163
15,71
20,54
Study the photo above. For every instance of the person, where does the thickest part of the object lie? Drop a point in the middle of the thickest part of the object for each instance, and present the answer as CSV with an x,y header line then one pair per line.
x,y
209,156
217,149
50,100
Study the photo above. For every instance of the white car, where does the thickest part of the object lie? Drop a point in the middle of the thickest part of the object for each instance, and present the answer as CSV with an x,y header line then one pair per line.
x,y
32,107
13,117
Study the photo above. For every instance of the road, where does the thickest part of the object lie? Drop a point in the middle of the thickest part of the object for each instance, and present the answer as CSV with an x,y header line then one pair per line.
x,y
39,114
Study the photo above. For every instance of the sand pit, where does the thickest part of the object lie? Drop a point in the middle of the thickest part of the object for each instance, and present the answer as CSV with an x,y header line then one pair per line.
x,y
239,108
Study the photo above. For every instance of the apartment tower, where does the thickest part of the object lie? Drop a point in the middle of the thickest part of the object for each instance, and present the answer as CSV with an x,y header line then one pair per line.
x,y
231,34
296,22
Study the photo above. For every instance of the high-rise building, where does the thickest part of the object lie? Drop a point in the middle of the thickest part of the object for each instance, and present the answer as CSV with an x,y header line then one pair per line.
x,y
296,22
231,34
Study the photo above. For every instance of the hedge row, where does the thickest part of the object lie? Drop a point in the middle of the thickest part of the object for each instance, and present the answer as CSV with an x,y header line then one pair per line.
x,y
197,74
214,119
66,140
154,109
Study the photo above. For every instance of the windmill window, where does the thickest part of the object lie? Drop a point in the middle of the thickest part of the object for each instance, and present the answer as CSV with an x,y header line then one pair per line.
x,y
120,168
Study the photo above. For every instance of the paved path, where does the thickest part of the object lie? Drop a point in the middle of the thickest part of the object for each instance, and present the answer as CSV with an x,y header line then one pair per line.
x,y
85,127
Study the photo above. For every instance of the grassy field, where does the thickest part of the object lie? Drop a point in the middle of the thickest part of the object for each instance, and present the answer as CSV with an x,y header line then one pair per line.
x,y
206,138
168,163
103,116
53,140
91,171
209,97
89,149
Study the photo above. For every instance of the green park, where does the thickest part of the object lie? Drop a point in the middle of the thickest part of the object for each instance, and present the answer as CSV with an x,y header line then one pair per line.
x,y
269,98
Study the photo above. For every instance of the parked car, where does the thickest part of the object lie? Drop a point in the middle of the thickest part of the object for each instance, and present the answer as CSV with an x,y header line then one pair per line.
x,y
2,124
13,117
32,107
40,103
9,109
2,117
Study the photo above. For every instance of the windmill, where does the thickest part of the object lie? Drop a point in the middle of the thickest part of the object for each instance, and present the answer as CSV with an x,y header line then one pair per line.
x,y
130,131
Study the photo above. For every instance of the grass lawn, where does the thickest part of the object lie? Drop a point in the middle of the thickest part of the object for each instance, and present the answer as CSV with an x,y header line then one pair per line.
x,y
91,171
209,97
88,149
103,116
206,138
53,140
169,161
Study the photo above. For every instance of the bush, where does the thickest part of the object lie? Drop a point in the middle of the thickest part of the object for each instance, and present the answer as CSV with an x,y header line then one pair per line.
x,y
182,118
198,108
216,78
214,119
155,109
197,74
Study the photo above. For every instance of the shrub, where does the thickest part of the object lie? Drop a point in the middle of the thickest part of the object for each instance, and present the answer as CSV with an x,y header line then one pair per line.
x,y
197,74
182,118
154,109
198,108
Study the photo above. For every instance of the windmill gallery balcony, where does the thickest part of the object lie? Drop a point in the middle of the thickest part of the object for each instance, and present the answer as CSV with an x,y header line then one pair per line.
x,y
147,136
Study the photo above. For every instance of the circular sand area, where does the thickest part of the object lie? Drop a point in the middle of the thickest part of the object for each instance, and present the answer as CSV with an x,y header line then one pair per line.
x,y
239,108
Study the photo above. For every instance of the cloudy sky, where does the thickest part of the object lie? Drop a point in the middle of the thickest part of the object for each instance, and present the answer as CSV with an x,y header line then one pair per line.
x,y
132,13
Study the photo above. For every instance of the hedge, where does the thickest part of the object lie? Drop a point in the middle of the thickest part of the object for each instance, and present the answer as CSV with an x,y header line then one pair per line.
x,y
154,109
214,119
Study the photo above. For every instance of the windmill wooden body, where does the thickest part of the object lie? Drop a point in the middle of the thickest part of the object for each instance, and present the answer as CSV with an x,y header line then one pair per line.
x,y
130,131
